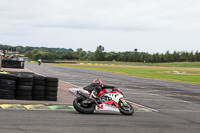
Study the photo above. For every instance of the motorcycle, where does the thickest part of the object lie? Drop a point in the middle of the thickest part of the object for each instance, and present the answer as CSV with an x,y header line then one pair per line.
x,y
107,101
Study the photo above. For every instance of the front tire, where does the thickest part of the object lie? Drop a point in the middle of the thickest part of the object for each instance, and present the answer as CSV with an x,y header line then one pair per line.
x,y
126,110
83,110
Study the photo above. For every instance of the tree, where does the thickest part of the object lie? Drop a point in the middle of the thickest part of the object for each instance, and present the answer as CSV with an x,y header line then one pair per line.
x,y
191,57
184,56
197,56
82,54
19,48
148,57
110,56
176,56
35,51
79,50
121,57
29,54
167,57
68,56
156,58
99,54
135,55
45,56
79,54
27,48
89,56
38,55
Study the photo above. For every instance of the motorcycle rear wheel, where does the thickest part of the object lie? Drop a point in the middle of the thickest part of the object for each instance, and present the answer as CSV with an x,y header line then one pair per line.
x,y
83,110
124,111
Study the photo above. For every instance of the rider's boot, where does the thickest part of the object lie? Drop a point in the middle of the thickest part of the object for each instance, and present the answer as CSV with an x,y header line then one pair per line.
x,y
93,96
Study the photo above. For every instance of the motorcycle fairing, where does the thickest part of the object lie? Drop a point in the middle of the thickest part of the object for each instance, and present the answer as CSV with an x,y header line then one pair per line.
x,y
106,107
101,92
115,96
113,103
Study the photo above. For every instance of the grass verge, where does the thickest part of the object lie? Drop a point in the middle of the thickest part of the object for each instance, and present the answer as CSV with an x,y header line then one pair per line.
x,y
177,74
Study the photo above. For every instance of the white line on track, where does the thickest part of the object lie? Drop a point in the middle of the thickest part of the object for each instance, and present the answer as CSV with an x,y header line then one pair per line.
x,y
71,84
154,110
168,110
60,80
33,72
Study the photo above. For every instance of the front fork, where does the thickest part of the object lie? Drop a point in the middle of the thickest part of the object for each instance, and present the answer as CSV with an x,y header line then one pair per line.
x,y
124,103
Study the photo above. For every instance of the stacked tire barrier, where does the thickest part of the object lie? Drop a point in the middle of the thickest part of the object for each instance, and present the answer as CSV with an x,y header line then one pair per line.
x,y
24,87
38,87
51,88
7,86
28,86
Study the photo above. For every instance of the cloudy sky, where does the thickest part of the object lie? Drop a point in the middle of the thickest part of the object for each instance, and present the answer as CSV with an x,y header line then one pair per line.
x,y
118,25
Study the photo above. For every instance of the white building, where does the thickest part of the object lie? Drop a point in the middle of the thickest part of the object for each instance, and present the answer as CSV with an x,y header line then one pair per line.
x,y
23,58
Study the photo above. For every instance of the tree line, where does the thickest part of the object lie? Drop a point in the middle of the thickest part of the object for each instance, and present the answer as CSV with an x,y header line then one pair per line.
x,y
129,56
35,53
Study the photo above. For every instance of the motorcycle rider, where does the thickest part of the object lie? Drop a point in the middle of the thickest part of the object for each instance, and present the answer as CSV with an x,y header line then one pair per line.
x,y
95,87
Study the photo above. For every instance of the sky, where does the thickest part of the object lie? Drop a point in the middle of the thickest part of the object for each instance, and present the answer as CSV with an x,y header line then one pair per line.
x,y
117,25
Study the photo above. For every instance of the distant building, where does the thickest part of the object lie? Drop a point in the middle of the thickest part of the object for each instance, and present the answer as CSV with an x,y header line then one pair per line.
x,y
23,58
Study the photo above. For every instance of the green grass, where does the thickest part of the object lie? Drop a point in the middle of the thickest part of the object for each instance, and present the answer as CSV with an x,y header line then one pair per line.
x,y
157,72
173,64
177,64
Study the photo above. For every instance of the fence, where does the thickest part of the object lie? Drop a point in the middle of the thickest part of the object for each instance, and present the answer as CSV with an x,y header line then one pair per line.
x,y
12,64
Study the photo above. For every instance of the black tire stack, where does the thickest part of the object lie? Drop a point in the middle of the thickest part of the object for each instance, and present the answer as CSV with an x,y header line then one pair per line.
x,y
28,86
51,88
7,86
38,87
24,87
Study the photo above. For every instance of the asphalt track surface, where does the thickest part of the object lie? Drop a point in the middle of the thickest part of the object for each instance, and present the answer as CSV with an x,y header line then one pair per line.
x,y
176,107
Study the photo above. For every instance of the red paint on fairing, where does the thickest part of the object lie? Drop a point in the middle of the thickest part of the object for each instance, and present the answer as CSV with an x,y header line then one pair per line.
x,y
101,92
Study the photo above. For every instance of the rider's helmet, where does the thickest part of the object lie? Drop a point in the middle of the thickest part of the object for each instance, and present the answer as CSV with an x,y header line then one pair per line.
x,y
98,81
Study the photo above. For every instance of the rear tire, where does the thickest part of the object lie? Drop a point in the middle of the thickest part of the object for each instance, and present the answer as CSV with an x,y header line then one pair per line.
x,y
126,112
81,109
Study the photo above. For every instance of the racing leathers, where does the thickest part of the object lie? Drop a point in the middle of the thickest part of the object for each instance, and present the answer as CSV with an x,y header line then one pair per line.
x,y
95,88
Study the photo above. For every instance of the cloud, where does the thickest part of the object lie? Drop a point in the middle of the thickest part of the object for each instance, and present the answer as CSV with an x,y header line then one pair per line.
x,y
128,20
125,15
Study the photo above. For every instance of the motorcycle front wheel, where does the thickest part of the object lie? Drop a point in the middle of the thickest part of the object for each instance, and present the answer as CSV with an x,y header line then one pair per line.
x,y
77,103
126,110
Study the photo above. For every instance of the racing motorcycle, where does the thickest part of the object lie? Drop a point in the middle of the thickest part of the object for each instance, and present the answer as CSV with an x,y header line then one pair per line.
x,y
107,101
